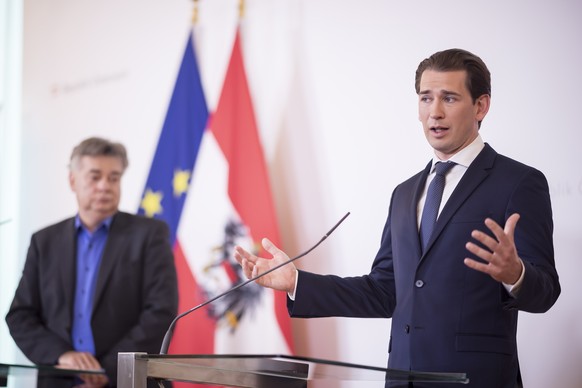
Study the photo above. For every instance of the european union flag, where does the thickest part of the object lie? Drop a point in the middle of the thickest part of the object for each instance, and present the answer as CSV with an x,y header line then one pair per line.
x,y
169,177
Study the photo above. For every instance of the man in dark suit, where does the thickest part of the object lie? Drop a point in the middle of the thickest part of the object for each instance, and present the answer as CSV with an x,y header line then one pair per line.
x,y
453,287
99,283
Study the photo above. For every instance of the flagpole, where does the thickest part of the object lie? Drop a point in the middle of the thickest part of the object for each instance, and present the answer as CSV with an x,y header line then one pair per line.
x,y
195,13
241,9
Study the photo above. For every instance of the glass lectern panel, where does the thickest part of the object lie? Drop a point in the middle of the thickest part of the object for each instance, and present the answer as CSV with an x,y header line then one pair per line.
x,y
264,371
25,376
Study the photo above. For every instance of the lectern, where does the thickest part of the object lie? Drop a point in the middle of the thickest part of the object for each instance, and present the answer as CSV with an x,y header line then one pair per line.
x,y
263,371
23,374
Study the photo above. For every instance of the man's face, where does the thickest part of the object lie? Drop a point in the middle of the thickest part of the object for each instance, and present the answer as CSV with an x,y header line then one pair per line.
x,y
447,112
96,181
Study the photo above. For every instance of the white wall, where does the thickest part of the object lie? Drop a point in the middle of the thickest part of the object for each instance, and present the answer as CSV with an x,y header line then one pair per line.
x,y
333,88
10,147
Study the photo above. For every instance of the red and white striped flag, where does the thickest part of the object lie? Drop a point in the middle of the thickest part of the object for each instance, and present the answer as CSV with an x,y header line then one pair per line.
x,y
230,203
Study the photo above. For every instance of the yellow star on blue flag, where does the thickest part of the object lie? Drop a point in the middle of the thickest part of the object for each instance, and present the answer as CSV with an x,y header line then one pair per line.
x,y
151,203
181,182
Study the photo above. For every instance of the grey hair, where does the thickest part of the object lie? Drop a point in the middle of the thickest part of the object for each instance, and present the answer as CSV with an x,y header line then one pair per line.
x,y
96,146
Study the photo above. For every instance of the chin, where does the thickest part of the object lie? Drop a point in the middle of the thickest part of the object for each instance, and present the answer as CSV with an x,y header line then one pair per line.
x,y
437,144
106,212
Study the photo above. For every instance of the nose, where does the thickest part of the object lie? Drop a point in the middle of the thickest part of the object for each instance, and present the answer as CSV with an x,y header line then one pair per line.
x,y
436,111
103,184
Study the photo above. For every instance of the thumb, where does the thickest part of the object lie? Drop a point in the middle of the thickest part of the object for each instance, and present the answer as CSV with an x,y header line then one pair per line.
x,y
511,223
270,247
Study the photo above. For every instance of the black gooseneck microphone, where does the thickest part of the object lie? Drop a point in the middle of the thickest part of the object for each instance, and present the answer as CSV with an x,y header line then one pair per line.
x,y
170,332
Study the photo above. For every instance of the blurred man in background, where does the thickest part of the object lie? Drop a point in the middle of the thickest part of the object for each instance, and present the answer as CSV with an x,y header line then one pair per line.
x,y
98,283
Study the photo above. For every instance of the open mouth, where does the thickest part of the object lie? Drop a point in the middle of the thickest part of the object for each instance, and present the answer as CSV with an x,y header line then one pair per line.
x,y
438,129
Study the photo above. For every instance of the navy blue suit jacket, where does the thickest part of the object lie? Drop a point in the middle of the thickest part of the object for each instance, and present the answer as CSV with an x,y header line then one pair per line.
x,y
447,317
136,295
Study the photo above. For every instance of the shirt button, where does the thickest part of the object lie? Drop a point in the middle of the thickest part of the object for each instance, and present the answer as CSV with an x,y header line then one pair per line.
x,y
407,329
419,284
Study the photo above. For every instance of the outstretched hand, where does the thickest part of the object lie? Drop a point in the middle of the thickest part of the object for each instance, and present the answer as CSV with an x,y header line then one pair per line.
x,y
500,254
282,279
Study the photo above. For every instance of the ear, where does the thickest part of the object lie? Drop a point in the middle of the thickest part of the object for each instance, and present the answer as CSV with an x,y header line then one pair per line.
x,y
71,180
482,107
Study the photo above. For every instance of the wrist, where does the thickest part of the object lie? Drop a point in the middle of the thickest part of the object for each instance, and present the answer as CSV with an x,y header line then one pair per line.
x,y
291,291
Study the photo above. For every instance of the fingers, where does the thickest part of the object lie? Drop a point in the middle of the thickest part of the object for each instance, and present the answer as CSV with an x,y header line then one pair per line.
x,y
92,381
241,254
246,260
491,244
86,361
78,360
484,239
498,253
503,235
504,238
476,265
479,252
253,266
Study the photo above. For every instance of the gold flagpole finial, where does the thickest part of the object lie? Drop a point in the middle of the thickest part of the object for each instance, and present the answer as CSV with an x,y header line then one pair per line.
x,y
241,8
195,12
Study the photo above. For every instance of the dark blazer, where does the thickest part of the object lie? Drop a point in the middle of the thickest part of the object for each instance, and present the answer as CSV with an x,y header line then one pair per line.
x,y
135,300
447,317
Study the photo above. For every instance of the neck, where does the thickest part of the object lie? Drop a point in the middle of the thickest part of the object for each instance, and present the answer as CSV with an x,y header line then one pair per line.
x,y
92,221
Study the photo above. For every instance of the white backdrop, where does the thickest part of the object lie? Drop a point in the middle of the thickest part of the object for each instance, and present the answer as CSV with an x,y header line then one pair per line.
x,y
333,89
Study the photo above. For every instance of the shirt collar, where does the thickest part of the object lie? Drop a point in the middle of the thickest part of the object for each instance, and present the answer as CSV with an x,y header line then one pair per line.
x,y
465,156
105,223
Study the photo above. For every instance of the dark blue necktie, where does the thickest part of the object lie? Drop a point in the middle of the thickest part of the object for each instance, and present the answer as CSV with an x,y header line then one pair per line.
x,y
433,201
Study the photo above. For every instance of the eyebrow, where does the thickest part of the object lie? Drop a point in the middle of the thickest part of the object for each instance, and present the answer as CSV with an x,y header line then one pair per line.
x,y
443,91
97,171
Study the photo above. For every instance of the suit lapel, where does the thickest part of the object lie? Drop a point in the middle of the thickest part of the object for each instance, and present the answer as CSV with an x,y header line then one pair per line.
x,y
68,264
476,173
111,254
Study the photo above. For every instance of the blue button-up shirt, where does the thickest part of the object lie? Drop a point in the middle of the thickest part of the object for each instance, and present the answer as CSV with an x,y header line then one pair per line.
x,y
89,251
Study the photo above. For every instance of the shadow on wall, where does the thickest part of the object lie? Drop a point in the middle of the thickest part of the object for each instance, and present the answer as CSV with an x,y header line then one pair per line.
x,y
300,193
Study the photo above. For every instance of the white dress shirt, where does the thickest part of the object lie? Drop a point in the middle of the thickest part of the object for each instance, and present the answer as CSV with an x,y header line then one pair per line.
x,y
463,159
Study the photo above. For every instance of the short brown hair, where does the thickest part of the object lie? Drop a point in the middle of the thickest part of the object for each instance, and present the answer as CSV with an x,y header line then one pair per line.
x,y
96,146
478,76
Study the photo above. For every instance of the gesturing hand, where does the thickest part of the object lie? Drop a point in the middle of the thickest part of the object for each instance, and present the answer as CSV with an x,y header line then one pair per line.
x,y
500,255
282,279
